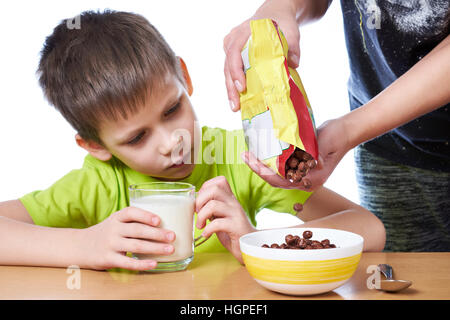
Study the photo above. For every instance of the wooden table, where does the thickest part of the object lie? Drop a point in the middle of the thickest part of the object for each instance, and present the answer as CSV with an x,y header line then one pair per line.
x,y
214,276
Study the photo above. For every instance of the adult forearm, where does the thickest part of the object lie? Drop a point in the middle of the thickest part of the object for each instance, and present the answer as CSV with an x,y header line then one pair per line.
x,y
31,245
422,89
304,10
310,10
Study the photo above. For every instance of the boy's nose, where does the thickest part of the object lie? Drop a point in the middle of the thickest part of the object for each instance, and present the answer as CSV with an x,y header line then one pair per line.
x,y
169,143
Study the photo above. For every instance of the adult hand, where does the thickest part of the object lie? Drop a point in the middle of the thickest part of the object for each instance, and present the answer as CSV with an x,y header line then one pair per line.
x,y
332,139
281,12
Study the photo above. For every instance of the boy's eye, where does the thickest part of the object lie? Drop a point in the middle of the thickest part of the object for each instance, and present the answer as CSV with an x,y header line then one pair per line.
x,y
139,137
136,139
173,109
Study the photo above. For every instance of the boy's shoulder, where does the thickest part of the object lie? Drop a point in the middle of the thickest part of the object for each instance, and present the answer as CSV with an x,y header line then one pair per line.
x,y
98,171
92,163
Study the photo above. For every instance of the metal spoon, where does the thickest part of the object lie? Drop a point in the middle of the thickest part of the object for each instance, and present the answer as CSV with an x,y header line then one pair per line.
x,y
391,285
197,242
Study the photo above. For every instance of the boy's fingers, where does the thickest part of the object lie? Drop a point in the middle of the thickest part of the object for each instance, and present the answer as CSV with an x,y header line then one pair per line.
x,y
212,209
215,226
220,181
216,188
142,231
145,247
213,181
133,214
135,264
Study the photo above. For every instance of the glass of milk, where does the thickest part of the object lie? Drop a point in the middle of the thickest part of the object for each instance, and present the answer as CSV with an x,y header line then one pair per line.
x,y
173,203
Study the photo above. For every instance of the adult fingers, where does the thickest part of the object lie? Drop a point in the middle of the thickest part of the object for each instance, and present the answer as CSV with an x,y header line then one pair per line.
x,y
293,40
233,94
319,175
268,175
234,68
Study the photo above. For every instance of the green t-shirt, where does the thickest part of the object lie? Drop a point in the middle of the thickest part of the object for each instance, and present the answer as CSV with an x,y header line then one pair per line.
x,y
87,196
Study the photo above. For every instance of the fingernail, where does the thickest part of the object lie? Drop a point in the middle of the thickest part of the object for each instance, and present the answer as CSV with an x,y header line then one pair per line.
x,y
232,106
238,86
170,236
168,249
155,221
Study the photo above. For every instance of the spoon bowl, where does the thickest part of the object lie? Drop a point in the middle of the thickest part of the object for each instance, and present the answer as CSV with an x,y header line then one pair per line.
x,y
391,285
394,285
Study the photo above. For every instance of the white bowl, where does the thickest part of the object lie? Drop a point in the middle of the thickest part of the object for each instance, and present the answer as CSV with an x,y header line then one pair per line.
x,y
301,271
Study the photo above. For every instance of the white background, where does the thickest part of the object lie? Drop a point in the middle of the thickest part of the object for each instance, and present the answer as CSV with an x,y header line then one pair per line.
x,y
38,146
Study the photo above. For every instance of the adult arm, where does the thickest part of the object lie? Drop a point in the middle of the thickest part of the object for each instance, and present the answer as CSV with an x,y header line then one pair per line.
x,y
289,14
420,90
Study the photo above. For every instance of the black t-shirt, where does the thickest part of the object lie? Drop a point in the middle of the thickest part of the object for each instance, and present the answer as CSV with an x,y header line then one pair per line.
x,y
385,38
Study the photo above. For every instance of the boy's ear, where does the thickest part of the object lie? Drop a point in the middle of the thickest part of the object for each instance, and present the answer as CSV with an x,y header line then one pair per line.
x,y
94,149
187,77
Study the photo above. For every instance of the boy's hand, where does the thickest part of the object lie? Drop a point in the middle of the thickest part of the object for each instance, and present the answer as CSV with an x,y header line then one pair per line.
x,y
128,230
215,201
333,145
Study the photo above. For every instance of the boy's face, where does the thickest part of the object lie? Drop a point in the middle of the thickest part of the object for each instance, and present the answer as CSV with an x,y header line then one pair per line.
x,y
149,141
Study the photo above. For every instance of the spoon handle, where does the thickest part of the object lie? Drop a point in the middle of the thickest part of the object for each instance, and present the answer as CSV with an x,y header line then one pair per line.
x,y
386,270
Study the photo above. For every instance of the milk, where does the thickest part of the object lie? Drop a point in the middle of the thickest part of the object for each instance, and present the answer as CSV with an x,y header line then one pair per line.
x,y
177,214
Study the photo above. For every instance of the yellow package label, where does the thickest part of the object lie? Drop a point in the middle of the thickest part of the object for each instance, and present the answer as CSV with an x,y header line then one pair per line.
x,y
276,115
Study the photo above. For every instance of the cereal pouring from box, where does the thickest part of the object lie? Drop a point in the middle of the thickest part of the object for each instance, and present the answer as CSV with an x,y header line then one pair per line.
x,y
276,115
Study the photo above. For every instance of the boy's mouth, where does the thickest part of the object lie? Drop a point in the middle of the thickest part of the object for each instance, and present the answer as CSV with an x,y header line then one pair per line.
x,y
177,165
181,161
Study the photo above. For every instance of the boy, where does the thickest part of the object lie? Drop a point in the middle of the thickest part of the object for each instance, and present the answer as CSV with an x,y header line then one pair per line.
x,y
118,83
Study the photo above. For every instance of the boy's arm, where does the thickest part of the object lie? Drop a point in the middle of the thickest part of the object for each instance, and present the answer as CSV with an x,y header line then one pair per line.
x,y
101,246
15,210
24,243
327,209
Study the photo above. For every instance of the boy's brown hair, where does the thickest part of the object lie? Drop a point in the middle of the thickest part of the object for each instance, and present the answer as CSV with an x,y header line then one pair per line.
x,y
104,68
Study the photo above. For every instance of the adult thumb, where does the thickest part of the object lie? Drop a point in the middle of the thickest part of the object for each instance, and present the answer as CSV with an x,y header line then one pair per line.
x,y
293,59
294,50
